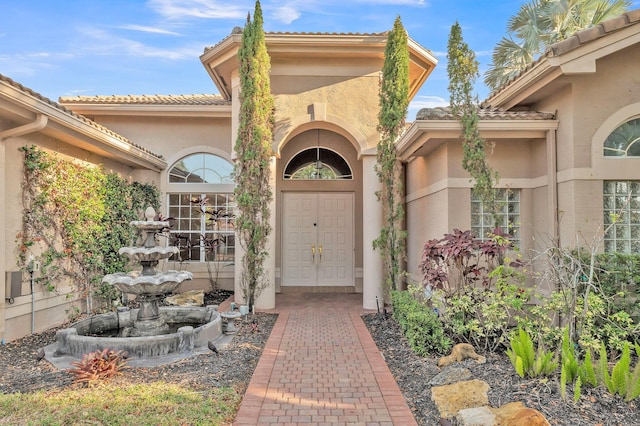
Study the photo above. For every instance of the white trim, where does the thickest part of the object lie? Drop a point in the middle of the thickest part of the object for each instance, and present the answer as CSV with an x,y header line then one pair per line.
x,y
457,183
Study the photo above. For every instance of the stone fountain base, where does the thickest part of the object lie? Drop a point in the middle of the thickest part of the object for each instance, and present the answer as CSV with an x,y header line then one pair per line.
x,y
86,336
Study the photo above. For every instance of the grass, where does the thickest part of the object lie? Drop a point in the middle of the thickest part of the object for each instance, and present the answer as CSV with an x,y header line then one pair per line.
x,y
110,404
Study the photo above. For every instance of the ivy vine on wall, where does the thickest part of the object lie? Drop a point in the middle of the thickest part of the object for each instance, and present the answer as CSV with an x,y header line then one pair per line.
x,y
74,220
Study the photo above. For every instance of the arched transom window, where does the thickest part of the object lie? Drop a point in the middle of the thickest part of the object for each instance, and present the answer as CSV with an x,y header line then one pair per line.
x,y
201,168
318,163
624,141
201,203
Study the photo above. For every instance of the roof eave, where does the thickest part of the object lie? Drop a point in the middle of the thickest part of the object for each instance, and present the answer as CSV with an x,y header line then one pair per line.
x,y
115,109
75,131
422,131
221,58
576,55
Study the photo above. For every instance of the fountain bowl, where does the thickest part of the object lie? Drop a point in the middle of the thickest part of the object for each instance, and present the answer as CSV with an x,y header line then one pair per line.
x,y
80,338
145,254
137,283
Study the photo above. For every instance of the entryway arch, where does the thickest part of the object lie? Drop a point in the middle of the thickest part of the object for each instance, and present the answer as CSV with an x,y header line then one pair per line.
x,y
319,196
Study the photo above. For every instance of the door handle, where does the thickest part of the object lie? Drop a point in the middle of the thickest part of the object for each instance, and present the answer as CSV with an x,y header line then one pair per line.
x,y
320,251
313,252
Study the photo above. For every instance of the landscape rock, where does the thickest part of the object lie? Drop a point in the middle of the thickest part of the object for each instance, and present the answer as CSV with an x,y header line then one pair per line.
x,y
450,399
478,416
516,414
188,298
459,353
451,375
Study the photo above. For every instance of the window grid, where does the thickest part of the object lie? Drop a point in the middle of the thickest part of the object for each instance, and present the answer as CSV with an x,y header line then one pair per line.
x,y
482,223
624,141
621,201
203,226
202,168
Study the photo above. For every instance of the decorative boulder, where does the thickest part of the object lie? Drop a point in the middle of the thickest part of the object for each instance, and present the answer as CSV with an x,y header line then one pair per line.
x,y
188,298
516,414
459,353
455,397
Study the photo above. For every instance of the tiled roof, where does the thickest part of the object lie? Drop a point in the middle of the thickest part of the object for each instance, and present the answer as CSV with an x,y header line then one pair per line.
x,y
578,39
238,30
590,34
444,113
204,99
70,113
384,33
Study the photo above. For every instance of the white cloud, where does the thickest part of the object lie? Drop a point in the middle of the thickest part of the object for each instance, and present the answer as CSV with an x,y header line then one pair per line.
x,y
207,9
420,102
285,14
111,45
145,29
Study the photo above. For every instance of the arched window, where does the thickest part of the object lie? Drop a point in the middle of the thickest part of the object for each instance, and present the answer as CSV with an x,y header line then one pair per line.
x,y
201,168
624,141
201,203
318,164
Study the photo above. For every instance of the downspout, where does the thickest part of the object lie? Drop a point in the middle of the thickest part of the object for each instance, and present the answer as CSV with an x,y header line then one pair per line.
x,y
35,126
552,184
552,196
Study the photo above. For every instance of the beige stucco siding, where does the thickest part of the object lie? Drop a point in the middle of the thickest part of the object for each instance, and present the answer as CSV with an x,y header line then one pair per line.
x,y
51,308
167,136
350,102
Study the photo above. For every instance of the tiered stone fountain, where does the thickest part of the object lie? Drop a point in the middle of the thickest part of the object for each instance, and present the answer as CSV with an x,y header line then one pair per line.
x,y
144,332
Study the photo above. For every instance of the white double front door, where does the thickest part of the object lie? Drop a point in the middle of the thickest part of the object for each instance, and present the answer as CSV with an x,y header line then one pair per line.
x,y
317,239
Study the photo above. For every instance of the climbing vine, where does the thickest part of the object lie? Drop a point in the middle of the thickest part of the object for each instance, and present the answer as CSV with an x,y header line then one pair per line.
x,y
75,218
463,71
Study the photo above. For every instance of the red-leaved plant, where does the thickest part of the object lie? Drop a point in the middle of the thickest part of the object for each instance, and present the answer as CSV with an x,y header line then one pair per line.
x,y
459,259
99,365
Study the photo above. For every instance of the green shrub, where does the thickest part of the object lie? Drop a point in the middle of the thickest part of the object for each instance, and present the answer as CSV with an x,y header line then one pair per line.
x,y
485,317
526,360
420,324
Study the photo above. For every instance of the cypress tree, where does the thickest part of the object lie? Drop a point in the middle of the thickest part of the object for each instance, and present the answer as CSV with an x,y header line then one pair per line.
x,y
253,150
394,100
463,71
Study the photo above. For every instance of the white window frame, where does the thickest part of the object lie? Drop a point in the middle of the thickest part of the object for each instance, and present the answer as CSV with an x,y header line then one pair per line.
x,y
621,211
482,221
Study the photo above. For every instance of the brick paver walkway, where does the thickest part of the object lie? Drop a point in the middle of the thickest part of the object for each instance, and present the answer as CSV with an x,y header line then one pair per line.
x,y
320,366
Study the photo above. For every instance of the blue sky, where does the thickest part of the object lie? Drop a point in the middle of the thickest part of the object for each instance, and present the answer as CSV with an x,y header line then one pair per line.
x,y
106,47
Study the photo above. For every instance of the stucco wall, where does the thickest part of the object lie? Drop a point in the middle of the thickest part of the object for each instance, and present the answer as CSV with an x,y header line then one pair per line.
x,y
585,104
167,135
439,191
51,308
352,99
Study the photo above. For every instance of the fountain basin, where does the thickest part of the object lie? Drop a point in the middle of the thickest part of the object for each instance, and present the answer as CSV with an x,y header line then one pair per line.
x,y
137,283
78,339
145,254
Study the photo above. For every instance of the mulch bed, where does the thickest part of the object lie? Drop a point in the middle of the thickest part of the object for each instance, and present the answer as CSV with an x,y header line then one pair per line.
x,y
413,373
236,363
233,367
